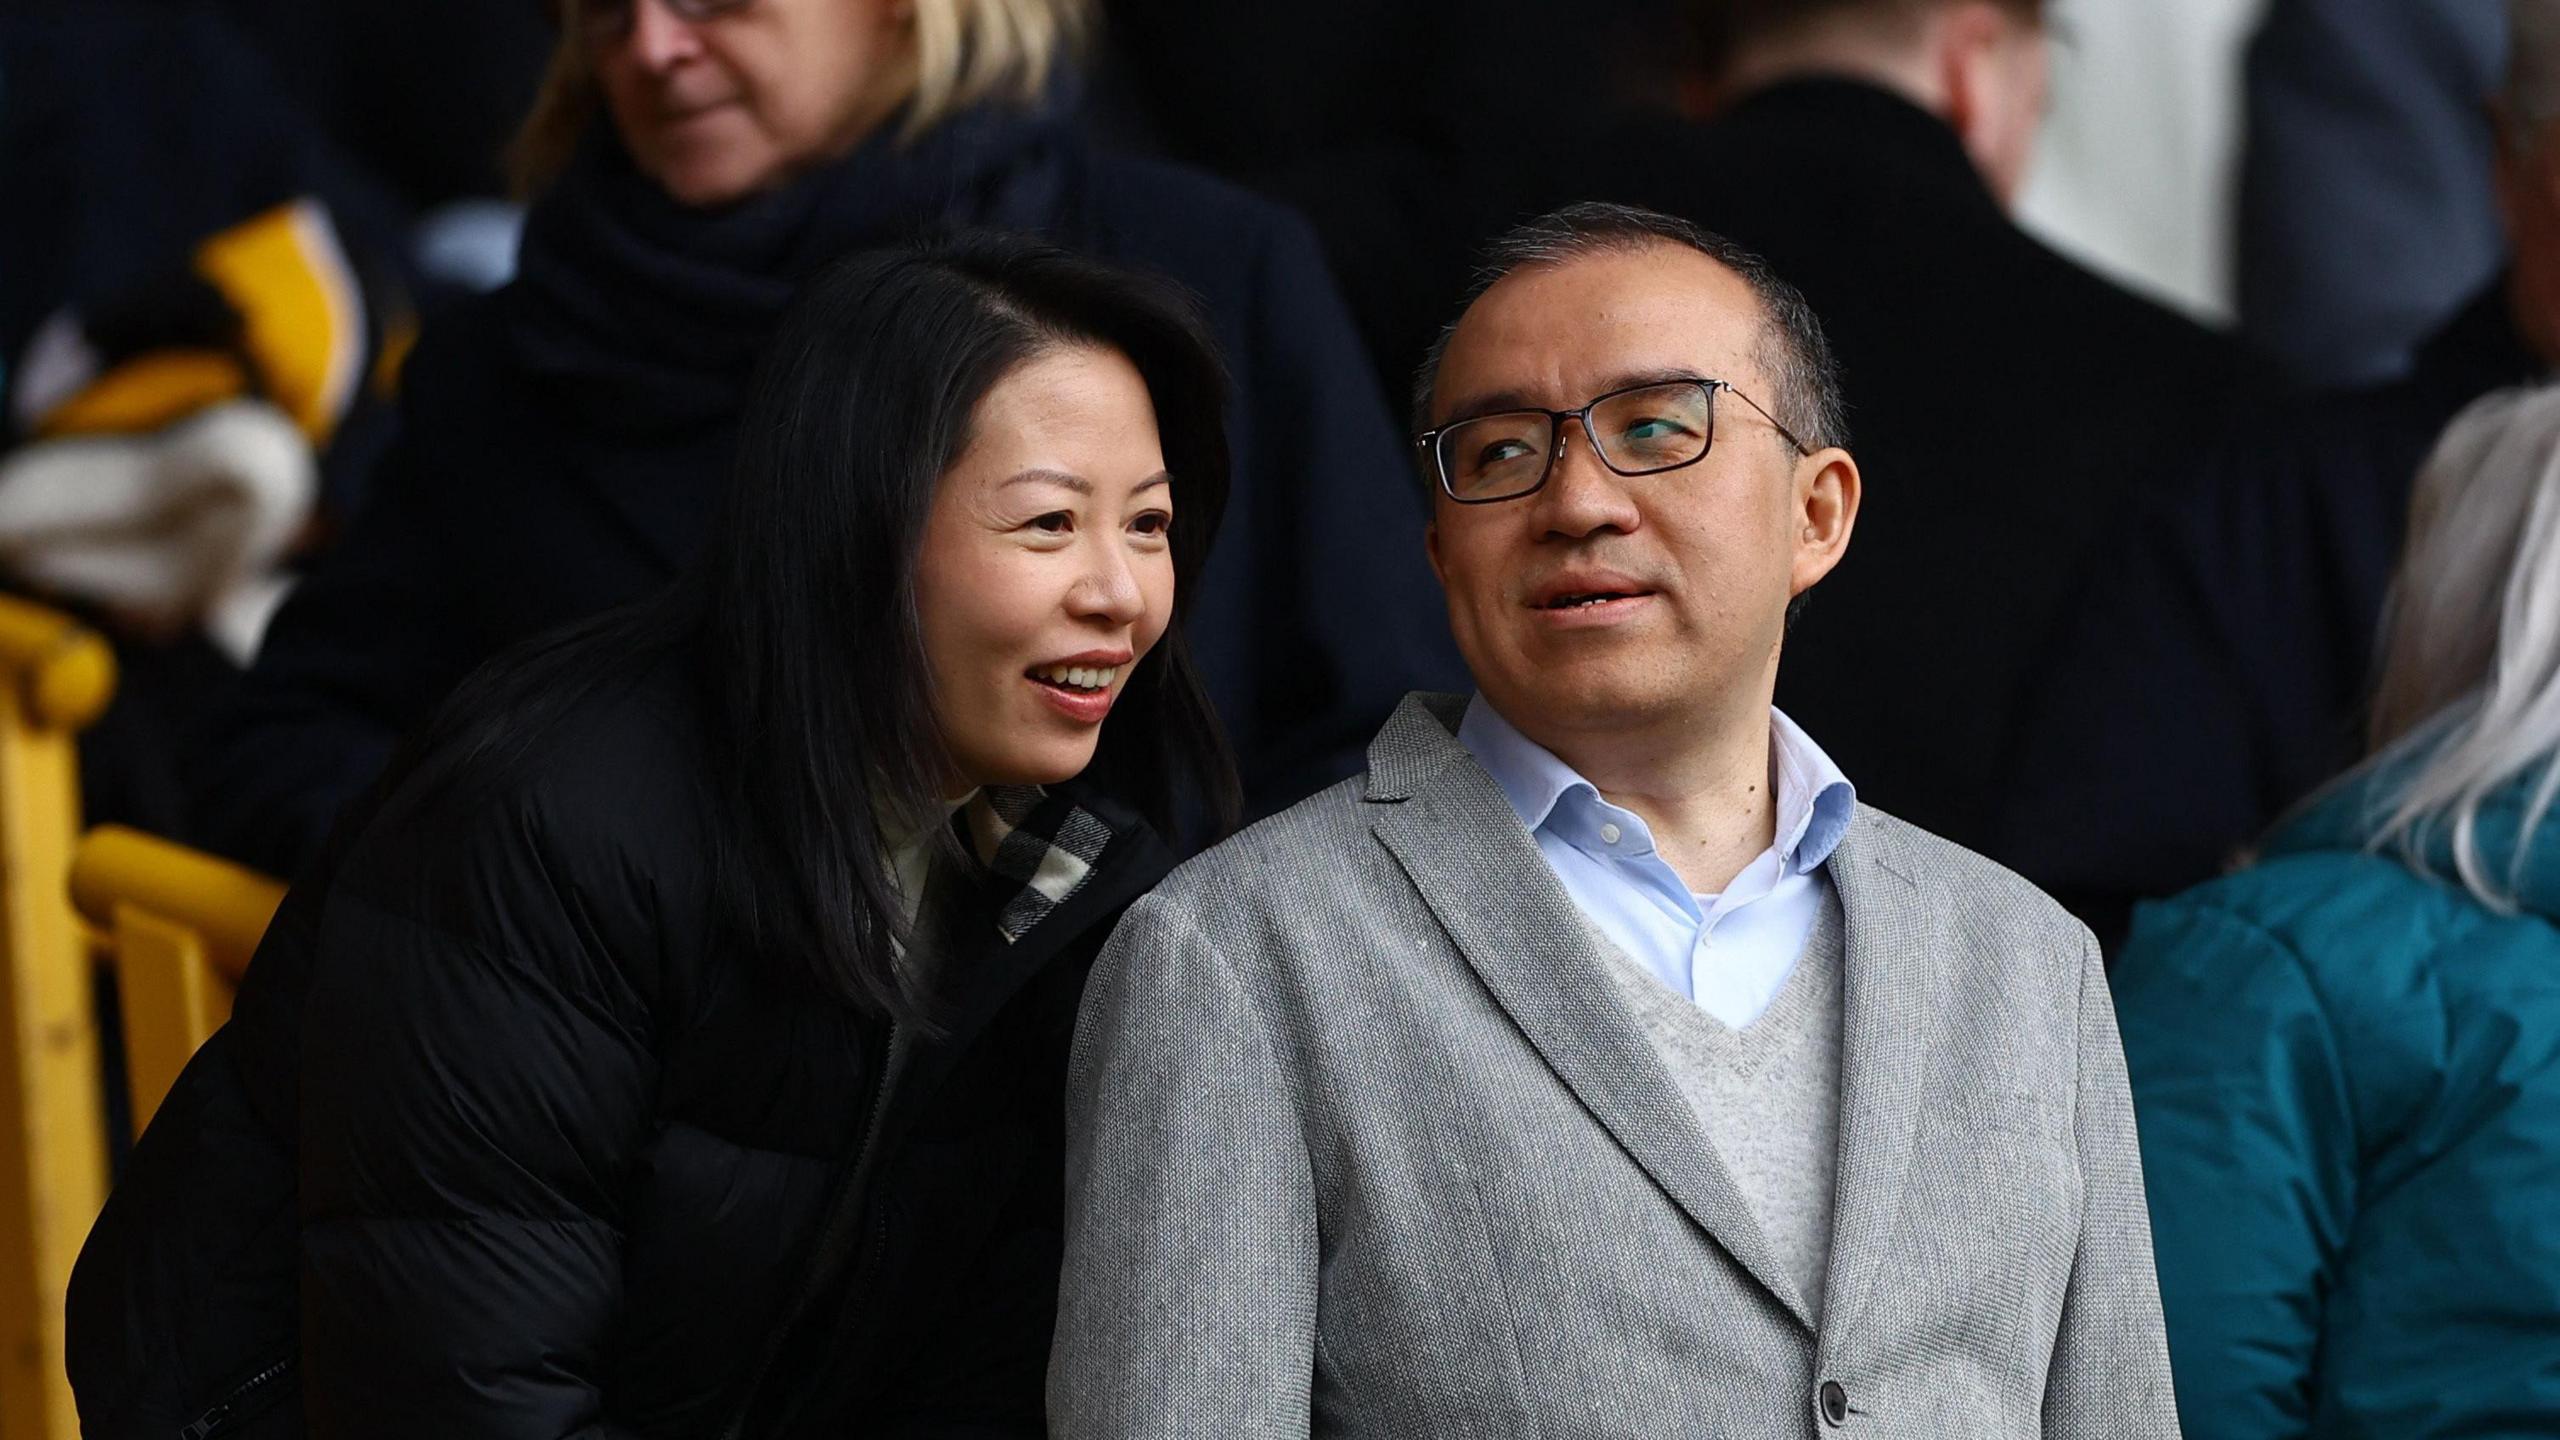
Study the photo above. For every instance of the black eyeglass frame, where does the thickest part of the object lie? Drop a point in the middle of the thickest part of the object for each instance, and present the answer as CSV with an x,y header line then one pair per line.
x,y
611,21
1428,442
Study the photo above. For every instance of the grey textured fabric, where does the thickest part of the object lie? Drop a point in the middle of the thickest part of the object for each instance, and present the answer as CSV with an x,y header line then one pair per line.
x,y
1364,1142
1767,1096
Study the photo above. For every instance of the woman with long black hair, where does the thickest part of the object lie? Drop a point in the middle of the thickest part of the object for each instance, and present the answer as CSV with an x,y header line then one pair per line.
x,y
691,162
679,1042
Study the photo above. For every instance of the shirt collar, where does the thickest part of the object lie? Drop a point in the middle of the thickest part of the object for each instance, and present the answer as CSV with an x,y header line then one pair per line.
x,y
1529,774
1815,800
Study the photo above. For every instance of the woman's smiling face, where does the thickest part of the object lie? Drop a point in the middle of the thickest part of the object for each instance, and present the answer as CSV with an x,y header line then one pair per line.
x,y
1046,571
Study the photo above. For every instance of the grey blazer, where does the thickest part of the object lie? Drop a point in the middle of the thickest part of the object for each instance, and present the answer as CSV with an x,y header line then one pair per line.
x,y
1363,1142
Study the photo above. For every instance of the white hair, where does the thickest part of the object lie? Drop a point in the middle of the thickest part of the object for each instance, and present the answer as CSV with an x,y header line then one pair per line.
x,y
2469,691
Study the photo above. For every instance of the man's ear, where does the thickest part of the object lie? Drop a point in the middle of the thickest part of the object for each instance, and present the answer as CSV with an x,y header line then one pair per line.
x,y
1431,549
1964,36
1990,68
1828,490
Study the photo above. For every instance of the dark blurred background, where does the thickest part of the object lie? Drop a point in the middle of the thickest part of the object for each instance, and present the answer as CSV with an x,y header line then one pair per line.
x,y
2137,422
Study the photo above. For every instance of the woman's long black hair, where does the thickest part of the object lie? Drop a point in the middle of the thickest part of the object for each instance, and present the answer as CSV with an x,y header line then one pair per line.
x,y
799,618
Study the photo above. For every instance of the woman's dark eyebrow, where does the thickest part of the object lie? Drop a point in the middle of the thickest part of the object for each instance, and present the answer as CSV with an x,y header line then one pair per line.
x,y
1039,476
1077,483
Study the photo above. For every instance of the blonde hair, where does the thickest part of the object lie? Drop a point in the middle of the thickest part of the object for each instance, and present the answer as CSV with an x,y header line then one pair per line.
x,y
967,51
2469,689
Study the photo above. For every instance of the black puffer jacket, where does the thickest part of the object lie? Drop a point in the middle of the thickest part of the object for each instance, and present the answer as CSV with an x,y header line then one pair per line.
x,y
573,1164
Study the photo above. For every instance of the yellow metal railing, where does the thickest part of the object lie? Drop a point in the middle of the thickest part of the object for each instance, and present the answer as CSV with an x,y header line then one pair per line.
x,y
180,926
54,679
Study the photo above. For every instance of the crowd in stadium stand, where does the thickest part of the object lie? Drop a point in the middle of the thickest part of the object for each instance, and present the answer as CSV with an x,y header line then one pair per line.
x,y
1822,715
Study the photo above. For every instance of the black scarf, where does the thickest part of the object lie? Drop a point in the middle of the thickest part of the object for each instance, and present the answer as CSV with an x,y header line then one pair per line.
x,y
647,316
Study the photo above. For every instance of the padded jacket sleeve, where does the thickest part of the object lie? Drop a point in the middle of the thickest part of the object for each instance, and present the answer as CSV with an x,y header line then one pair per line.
x,y
478,1076
981,1345
2249,1139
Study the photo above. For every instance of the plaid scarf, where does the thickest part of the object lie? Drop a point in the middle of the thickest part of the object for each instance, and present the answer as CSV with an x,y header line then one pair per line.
x,y
1045,845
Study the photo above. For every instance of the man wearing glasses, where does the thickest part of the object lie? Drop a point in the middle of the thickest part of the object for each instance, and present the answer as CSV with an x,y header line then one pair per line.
x,y
1595,1065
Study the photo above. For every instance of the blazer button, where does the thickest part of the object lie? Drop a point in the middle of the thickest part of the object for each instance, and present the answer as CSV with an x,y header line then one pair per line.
x,y
1835,1403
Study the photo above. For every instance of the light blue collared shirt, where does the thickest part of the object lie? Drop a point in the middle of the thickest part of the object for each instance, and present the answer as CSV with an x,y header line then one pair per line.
x,y
1729,952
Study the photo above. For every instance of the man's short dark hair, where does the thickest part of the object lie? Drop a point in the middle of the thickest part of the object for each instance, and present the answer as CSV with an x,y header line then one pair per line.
x,y
1720,30
1803,377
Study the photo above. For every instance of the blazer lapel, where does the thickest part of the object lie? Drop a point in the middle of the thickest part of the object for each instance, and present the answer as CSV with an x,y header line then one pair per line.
x,y
1889,1029
1462,846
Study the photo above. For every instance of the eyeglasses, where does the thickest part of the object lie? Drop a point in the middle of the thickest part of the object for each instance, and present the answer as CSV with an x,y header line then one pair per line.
x,y
606,22
1642,430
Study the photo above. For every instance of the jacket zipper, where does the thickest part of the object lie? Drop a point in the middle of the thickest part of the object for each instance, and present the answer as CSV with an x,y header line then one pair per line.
x,y
832,1248
236,1404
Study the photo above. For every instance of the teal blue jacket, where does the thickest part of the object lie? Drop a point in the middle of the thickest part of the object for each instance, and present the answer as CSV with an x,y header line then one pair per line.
x,y
2347,1077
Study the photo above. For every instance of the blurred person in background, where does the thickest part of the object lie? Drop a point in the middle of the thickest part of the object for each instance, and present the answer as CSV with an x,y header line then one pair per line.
x,y
425,94
563,439
677,1050
203,304
1357,114
2007,402
2366,214
2346,1058
2135,163
2215,664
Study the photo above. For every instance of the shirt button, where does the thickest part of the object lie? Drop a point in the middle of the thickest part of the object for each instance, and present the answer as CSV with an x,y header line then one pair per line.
x,y
1835,1403
1609,834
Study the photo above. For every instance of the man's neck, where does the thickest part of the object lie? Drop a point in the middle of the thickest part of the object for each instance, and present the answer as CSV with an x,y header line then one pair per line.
x,y
1704,789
